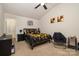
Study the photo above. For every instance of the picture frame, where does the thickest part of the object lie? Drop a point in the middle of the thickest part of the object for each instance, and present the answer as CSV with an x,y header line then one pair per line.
x,y
60,18
52,20
30,23
57,19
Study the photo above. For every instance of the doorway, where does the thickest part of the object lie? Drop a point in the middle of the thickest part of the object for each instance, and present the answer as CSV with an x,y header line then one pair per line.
x,y
11,28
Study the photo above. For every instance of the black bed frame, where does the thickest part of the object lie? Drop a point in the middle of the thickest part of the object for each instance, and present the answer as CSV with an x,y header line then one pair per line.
x,y
29,39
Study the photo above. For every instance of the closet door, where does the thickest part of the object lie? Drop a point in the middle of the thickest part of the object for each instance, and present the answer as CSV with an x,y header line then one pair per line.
x,y
11,27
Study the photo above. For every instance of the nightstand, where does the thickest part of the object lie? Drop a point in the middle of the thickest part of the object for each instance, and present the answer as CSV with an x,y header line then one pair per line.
x,y
20,37
78,46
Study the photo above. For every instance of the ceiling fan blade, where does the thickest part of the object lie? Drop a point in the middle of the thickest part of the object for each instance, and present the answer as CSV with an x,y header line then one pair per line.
x,y
37,6
45,7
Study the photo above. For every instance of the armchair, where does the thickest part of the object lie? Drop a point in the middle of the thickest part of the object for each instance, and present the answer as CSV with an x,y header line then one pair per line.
x,y
59,38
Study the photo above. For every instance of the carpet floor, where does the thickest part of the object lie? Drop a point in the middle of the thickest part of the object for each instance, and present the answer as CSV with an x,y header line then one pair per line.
x,y
47,49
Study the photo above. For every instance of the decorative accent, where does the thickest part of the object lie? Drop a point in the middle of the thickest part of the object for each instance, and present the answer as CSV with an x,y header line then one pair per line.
x,y
52,20
57,19
30,23
62,18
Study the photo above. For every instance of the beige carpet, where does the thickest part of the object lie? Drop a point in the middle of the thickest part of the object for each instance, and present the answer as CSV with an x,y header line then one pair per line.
x,y
47,49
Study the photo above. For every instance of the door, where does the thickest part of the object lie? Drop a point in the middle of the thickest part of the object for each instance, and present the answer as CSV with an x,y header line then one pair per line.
x,y
11,27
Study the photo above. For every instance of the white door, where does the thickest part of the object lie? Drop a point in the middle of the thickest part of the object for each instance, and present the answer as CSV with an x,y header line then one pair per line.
x,y
11,27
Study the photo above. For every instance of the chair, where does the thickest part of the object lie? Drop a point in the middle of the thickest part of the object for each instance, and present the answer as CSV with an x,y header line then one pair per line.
x,y
72,42
59,39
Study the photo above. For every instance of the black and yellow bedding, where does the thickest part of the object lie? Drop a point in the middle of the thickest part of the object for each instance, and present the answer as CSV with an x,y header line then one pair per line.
x,y
36,39
41,35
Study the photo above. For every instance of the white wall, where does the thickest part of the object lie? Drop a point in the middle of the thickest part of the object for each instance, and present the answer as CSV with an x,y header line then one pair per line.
x,y
21,22
1,20
69,27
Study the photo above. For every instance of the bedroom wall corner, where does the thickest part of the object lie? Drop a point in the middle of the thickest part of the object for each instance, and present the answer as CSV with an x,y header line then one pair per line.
x,y
71,20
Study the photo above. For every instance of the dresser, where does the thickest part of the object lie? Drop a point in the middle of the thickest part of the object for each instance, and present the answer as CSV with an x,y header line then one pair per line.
x,y
5,46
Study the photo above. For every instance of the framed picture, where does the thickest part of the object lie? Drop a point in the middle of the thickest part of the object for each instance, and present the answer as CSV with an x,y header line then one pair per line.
x,y
57,19
52,20
60,18
30,23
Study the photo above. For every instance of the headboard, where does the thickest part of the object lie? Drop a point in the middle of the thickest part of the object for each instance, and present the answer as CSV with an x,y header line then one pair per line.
x,y
30,30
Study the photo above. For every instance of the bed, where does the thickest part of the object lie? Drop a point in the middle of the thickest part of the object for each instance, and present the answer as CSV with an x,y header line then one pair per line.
x,y
35,38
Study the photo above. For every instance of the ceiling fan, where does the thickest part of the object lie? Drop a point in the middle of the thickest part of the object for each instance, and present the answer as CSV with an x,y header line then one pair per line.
x,y
45,7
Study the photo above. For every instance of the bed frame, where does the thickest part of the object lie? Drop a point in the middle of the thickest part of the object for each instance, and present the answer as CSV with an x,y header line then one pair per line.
x,y
29,39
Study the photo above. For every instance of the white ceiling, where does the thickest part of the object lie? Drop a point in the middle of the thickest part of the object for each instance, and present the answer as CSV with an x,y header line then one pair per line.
x,y
27,9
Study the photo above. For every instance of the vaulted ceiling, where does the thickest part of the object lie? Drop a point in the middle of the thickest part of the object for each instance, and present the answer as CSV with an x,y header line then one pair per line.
x,y
27,9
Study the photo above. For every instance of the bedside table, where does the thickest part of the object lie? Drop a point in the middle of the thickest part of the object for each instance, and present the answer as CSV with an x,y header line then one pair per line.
x,y
20,37
78,46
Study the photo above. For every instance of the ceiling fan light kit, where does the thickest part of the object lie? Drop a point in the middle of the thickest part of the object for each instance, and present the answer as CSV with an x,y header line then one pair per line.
x,y
41,4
